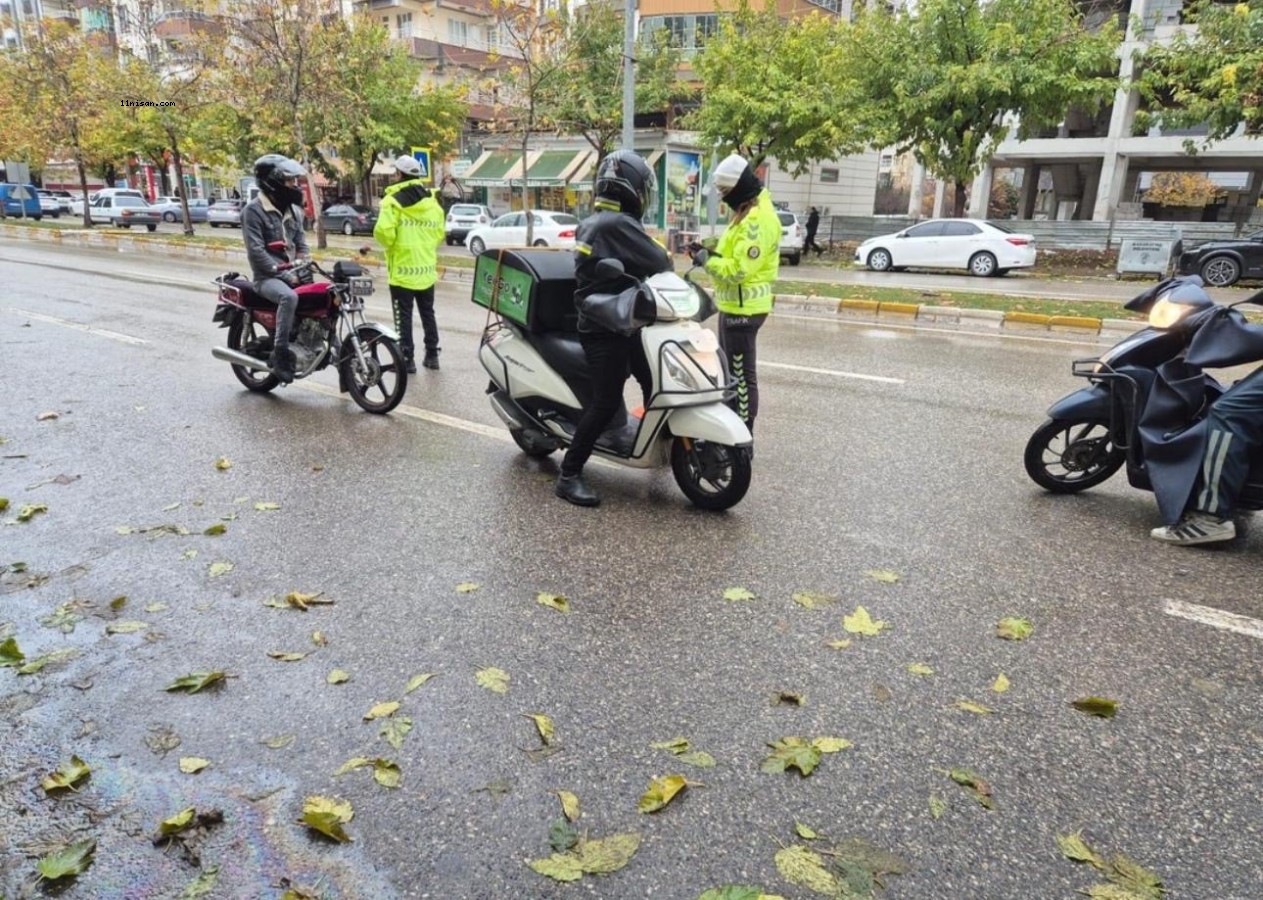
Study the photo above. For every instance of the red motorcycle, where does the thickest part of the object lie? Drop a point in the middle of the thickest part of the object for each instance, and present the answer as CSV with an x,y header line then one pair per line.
x,y
330,329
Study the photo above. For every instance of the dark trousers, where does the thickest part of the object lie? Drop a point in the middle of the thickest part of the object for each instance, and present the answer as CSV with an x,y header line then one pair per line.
x,y
737,337
1236,432
610,356
401,298
286,301
810,243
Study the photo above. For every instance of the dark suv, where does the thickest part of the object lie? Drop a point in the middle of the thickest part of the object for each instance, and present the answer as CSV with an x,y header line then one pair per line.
x,y
1222,263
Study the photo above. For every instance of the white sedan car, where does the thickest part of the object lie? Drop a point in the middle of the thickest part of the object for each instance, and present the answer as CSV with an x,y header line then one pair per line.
x,y
979,247
549,229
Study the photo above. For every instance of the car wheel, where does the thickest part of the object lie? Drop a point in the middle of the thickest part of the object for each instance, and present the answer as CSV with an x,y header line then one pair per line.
x,y
879,260
540,243
983,265
151,227
795,258
168,217
1220,271
214,224
348,229
476,246
128,227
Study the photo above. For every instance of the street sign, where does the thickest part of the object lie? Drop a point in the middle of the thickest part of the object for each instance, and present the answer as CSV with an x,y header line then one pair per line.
x,y
422,156
1153,257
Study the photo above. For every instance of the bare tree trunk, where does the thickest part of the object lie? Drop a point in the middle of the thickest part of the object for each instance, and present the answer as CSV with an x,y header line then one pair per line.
x,y
526,207
83,186
958,207
179,174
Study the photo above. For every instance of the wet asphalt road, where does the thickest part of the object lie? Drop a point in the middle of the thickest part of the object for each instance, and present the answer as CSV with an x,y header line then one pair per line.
x,y
920,475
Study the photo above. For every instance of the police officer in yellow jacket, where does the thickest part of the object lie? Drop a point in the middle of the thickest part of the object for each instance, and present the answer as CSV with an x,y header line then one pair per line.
x,y
743,264
410,229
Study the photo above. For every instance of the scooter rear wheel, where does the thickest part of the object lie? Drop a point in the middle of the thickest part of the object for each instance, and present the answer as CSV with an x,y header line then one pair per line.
x,y
713,476
1066,456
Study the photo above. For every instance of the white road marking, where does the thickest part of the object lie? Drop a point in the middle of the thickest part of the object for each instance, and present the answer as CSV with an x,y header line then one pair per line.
x,y
1215,618
933,330
415,412
835,372
79,326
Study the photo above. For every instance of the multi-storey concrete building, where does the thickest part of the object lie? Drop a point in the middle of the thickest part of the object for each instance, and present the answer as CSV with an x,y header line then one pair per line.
x,y
1092,165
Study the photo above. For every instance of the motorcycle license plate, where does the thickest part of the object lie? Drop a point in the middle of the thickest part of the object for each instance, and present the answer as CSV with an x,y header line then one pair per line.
x,y
361,287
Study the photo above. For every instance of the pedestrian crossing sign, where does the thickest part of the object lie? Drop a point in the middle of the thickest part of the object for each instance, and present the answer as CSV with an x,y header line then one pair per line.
x,y
422,156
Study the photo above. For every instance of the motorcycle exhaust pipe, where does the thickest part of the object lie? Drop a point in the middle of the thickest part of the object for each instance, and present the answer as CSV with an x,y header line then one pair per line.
x,y
238,358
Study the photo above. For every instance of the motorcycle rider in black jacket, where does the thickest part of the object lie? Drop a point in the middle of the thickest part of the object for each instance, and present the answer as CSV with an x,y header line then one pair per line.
x,y
625,189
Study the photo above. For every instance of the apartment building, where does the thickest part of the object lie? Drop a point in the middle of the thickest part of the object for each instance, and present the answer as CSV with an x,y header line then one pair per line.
x,y
1091,166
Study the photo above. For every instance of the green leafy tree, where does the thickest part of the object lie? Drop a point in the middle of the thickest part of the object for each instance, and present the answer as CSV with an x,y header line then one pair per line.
x,y
282,73
538,41
184,122
378,103
58,92
1213,75
589,100
782,90
956,77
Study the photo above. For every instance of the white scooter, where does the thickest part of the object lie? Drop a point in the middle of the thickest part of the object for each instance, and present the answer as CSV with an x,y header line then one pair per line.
x,y
539,377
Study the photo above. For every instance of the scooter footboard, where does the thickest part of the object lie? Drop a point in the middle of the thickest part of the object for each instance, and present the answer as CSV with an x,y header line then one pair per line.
x,y
713,422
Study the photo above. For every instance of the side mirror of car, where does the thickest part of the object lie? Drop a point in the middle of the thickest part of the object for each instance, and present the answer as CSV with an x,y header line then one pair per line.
x,y
610,268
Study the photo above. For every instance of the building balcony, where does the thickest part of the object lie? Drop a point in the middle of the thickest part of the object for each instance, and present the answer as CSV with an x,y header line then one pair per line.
x,y
184,23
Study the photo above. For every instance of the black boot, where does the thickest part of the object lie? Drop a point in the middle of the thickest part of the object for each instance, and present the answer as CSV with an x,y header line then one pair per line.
x,y
282,363
431,360
410,365
576,490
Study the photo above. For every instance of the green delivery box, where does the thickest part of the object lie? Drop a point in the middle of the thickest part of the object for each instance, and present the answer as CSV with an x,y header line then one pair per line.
x,y
534,288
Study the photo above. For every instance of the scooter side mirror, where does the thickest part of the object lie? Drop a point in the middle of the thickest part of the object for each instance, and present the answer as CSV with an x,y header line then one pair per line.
x,y
610,268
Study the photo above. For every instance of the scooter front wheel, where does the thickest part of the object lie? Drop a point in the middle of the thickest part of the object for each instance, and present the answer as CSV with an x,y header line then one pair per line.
x,y
1066,456
713,476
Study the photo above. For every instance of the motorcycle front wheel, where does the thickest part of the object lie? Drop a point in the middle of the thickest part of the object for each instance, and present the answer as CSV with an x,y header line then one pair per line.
x,y
245,335
713,476
1066,456
377,384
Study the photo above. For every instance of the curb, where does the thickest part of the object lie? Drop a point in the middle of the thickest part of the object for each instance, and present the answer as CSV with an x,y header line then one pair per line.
x,y
824,307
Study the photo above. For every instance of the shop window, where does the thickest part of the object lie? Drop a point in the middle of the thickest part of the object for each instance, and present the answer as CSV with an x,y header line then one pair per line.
x,y
828,176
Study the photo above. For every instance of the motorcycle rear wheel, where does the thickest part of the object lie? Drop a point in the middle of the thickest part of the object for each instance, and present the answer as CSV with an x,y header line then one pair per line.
x,y
244,336
713,476
380,386
1066,456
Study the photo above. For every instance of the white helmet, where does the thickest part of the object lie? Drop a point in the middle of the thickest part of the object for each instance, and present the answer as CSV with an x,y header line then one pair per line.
x,y
408,165
728,172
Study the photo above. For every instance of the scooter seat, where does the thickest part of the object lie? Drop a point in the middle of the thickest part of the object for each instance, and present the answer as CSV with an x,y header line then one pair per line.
x,y
563,351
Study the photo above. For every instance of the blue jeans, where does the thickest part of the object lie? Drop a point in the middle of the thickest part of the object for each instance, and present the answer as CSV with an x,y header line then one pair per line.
x,y
286,301
1235,433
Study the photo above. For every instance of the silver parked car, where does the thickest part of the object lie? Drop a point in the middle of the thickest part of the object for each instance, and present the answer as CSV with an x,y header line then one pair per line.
x,y
226,213
169,209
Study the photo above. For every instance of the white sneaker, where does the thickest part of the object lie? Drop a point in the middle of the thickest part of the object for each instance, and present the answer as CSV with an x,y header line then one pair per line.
x,y
1196,528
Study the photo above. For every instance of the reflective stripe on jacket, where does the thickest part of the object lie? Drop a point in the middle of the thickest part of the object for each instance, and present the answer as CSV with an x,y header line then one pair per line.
x,y
746,261
410,229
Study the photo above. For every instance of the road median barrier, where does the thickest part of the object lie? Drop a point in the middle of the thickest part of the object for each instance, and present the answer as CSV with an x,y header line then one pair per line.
x,y
851,306
1026,320
898,310
1075,324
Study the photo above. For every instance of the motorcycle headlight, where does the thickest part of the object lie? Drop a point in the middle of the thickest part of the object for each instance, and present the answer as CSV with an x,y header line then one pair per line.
x,y
1164,313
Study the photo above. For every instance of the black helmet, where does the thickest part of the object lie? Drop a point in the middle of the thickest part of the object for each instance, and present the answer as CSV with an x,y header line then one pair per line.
x,y
270,173
626,177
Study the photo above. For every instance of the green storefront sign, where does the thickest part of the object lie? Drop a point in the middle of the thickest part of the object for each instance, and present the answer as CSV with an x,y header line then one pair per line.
x,y
504,289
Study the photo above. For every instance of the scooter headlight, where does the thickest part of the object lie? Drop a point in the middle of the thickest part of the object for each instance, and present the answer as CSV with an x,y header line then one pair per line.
x,y
679,369
1164,313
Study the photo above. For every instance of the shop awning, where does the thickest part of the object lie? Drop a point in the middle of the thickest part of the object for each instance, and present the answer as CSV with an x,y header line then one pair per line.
x,y
582,177
494,169
553,168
